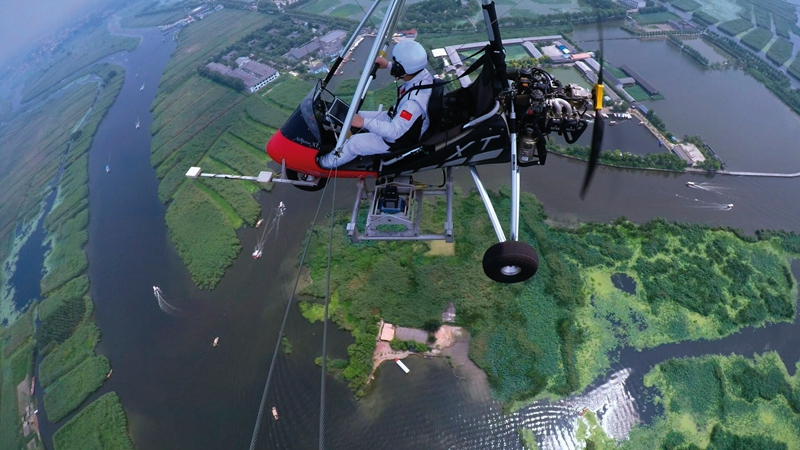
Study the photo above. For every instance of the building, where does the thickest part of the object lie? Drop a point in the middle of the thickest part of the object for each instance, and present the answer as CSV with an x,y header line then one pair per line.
x,y
641,81
689,152
387,332
255,75
316,66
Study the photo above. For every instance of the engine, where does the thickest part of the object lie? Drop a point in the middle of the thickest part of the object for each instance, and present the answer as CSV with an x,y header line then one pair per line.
x,y
544,105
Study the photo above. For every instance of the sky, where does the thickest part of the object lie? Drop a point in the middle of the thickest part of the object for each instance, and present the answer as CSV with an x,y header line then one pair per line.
x,y
24,22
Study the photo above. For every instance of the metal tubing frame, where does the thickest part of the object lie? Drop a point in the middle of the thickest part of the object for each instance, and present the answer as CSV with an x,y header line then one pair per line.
x,y
350,42
383,32
514,230
498,230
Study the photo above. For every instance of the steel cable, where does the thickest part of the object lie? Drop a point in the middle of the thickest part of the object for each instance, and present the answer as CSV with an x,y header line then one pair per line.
x,y
261,407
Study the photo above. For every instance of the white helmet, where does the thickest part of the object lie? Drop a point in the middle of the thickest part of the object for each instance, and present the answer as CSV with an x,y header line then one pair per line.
x,y
411,56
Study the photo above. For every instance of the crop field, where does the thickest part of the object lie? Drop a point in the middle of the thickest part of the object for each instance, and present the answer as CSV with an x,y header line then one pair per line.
x,y
780,51
661,17
757,39
763,18
734,27
704,18
685,5
637,93
794,68
725,10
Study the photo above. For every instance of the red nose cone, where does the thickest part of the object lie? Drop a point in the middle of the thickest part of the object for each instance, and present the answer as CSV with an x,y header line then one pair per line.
x,y
303,159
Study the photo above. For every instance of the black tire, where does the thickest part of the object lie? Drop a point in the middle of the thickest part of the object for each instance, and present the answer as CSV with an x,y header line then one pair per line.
x,y
293,175
510,262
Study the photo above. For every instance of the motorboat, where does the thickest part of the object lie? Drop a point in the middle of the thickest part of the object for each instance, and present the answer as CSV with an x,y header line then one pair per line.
x,y
108,375
137,123
142,88
108,169
260,221
690,183
729,206
156,290
33,385
612,123
275,413
216,341
257,254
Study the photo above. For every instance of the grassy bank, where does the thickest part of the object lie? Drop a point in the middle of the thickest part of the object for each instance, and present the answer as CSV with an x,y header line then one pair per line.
x,y
723,402
545,336
101,425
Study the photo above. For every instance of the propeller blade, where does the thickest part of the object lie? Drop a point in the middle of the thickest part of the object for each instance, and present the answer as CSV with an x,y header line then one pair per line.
x,y
594,156
597,129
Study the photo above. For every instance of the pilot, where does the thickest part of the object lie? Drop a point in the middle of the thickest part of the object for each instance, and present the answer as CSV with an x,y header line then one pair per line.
x,y
405,122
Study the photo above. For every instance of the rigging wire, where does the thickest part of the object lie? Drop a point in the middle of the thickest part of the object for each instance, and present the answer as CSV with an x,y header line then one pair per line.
x,y
263,403
325,322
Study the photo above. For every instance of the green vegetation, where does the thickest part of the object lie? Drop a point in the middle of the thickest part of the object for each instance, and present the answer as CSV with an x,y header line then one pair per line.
x,y
689,50
757,39
72,389
412,346
780,51
685,5
637,93
735,27
73,59
762,18
704,18
723,402
101,425
662,160
794,68
201,123
205,239
651,18
16,362
286,345
69,355
543,336
61,312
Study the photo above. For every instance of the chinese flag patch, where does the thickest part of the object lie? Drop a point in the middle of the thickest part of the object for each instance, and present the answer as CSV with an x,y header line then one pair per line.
x,y
405,114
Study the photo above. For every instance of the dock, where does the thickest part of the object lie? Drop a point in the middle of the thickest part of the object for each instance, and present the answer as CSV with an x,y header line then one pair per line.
x,y
402,366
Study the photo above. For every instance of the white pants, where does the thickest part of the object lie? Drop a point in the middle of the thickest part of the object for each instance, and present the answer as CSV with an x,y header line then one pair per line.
x,y
361,144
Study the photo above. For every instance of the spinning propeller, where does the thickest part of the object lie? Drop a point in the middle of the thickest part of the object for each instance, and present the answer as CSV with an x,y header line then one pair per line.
x,y
597,130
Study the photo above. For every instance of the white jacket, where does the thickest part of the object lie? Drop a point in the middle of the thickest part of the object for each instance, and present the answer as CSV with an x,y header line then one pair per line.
x,y
412,106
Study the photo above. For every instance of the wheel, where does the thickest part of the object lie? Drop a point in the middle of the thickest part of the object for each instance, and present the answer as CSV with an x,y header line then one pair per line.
x,y
510,262
294,175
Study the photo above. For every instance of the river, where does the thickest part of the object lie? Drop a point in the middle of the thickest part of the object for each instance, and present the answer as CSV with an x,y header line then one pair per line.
x,y
180,392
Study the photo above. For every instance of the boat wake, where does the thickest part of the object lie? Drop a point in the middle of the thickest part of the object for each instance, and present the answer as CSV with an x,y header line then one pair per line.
x,y
274,222
163,303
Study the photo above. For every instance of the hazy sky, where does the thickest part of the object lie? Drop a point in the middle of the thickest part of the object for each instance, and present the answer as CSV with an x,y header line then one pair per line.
x,y
24,22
